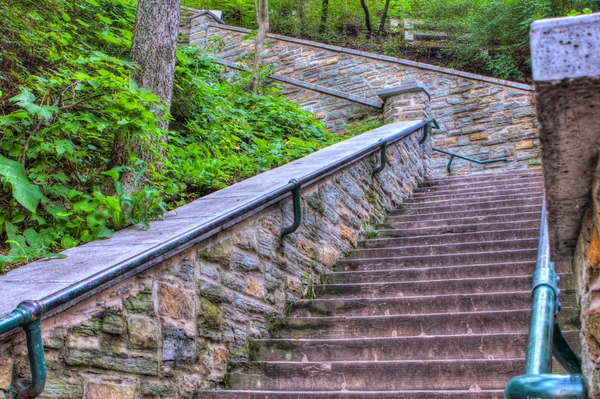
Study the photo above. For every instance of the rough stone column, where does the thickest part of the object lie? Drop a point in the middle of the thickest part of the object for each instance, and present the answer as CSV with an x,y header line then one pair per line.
x,y
199,24
405,103
566,71
408,103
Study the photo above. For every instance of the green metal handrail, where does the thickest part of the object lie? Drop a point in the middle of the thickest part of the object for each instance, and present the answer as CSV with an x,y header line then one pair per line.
x,y
454,155
29,314
546,339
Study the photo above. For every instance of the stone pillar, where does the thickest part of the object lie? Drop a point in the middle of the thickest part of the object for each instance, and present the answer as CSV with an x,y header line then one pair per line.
x,y
409,103
405,103
565,56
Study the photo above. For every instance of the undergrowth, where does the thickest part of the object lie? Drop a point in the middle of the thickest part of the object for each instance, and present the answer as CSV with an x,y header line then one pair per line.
x,y
66,91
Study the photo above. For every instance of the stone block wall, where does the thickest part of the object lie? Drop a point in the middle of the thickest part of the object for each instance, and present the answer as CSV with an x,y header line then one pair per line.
x,y
480,117
172,329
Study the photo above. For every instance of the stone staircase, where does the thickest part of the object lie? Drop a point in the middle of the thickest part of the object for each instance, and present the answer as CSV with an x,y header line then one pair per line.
x,y
437,306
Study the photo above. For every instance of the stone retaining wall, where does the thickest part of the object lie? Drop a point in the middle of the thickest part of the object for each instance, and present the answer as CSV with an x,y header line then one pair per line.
x,y
481,117
172,329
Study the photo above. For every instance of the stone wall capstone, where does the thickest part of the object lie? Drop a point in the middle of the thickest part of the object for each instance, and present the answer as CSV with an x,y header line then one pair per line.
x,y
480,117
172,329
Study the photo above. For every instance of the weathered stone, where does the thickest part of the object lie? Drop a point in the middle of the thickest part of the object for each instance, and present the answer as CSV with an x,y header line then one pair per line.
x,y
157,390
125,363
179,349
213,292
57,388
141,303
185,270
6,369
111,389
175,302
112,322
144,331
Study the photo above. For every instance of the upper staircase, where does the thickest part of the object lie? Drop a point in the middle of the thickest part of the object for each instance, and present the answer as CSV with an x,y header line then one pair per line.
x,y
436,306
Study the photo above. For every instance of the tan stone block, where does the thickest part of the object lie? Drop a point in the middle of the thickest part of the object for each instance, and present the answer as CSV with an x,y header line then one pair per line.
x,y
524,144
254,288
175,302
329,61
478,136
115,389
348,233
294,284
6,367
220,358
144,331
594,254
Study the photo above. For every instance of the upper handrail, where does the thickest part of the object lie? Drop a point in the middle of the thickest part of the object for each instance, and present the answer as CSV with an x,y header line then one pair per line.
x,y
30,313
455,155
546,338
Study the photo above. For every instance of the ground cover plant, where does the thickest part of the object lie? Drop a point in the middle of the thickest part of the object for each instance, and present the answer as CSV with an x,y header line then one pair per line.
x,y
66,91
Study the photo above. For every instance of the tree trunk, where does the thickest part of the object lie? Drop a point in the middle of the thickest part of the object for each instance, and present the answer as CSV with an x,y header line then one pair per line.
x,y
384,16
262,17
153,49
367,16
324,16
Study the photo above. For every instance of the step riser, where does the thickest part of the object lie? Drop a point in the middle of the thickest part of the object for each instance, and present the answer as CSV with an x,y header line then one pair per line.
x,y
489,177
534,180
441,273
452,248
492,205
417,348
396,231
413,305
486,374
401,216
398,326
430,202
438,260
439,191
495,394
510,217
417,197
501,235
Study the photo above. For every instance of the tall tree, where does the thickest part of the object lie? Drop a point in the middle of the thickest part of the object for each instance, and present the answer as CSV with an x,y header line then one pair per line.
x,y
262,17
153,49
324,16
367,16
384,16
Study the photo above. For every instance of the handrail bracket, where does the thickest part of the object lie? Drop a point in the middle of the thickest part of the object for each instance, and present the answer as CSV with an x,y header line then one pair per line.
x,y
297,205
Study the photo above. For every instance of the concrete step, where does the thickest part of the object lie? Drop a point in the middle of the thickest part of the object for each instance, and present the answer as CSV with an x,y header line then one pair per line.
x,y
481,189
464,184
388,231
438,249
424,304
440,239
489,176
475,346
407,222
461,259
440,273
418,197
414,209
507,210
384,375
429,202
412,394
451,323
426,287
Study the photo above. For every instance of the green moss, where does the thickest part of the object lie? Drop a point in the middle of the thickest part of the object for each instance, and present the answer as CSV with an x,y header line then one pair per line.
x,y
211,313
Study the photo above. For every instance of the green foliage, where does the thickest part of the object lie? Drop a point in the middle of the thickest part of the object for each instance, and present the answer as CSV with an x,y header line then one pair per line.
x,y
310,287
67,93
371,231
486,36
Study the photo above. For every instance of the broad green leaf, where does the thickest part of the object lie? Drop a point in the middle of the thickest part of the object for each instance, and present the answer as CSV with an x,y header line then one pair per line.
x,y
26,193
63,146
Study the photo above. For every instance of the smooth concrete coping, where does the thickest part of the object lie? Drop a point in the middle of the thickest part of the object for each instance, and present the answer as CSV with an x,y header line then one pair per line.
x,y
565,48
385,58
42,278
397,90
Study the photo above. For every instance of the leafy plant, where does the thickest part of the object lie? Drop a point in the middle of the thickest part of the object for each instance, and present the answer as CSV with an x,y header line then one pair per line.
x,y
370,230
309,290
